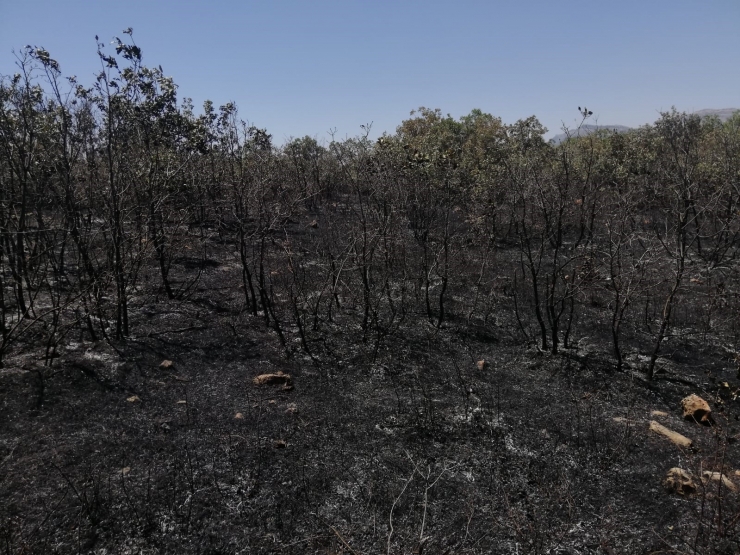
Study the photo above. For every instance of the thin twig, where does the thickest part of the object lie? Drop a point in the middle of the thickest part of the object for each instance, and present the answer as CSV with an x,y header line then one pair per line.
x,y
336,532
395,502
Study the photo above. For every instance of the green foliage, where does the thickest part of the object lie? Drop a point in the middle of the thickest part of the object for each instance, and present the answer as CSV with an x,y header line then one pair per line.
x,y
122,167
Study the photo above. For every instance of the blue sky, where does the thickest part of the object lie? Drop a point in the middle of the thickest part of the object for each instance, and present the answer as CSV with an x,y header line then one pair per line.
x,y
305,67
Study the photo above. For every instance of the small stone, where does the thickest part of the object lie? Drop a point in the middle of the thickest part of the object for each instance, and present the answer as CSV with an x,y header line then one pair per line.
x,y
709,476
314,224
675,437
239,416
125,470
274,379
280,444
182,402
166,364
679,481
482,365
292,408
697,409
658,413
133,399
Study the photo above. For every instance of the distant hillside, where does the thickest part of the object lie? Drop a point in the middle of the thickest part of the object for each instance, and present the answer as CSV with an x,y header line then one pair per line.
x,y
586,130
723,114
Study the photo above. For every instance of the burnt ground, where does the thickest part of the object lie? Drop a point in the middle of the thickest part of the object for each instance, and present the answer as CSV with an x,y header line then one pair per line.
x,y
415,450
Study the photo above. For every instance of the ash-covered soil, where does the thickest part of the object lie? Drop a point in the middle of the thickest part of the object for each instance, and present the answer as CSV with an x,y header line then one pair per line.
x,y
415,448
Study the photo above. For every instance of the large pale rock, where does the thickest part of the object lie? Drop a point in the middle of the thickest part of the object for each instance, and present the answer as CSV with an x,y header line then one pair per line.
x,y
697,409
679,481
275,379
675,437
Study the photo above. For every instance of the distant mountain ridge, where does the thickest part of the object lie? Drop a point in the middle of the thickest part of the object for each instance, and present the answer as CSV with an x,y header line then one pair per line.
x,y
723,114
